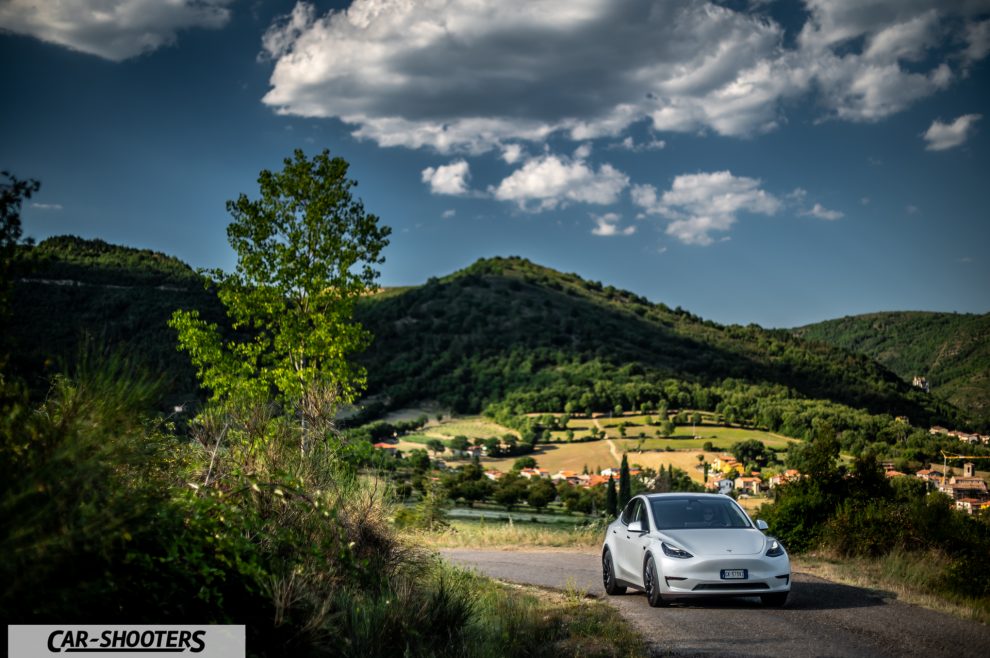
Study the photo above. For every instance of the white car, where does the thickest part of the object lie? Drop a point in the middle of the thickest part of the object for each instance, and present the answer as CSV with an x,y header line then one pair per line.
x,y
687,545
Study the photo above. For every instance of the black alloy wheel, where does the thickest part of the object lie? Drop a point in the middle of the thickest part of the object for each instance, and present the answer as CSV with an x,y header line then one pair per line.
x,y
608,575
651,582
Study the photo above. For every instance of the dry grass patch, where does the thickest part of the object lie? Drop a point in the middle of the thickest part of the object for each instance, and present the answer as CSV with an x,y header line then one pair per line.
x,y
911,577
564,456
522,620
511,536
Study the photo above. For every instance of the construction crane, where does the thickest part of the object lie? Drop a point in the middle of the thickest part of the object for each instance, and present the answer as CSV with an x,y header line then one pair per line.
x,y
946,456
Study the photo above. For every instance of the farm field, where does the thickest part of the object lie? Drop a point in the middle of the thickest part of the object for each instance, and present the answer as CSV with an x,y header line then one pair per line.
x,y
597,455
473,427
564,457
680,450
686,460
561,435
720,436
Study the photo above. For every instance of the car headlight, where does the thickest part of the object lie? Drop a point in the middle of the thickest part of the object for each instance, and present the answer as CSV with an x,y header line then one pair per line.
x,y
776,549
673,551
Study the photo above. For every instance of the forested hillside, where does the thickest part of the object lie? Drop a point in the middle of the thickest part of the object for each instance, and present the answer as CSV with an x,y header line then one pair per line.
x,y
503,335
73,295
509,331
951,350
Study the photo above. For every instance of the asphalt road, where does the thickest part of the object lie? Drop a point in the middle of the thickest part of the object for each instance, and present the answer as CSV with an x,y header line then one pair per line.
x,y
821,618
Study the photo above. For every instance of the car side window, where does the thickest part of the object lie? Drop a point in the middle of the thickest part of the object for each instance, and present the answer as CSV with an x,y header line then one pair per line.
x,y
642,516
630,513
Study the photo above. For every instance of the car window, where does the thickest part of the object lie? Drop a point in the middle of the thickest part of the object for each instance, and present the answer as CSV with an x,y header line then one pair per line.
x,y
697,512
642,516
632,511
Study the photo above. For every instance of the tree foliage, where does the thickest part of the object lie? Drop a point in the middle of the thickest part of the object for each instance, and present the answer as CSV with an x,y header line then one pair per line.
x,y
611,500
625,486
306,251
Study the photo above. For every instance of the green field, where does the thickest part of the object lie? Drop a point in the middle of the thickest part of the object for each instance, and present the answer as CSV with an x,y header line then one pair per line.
x,y
721,438
561,435
419,438
559,454
473,427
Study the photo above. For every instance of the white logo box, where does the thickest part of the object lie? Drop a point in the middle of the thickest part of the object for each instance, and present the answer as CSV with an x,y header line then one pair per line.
x,y
125,640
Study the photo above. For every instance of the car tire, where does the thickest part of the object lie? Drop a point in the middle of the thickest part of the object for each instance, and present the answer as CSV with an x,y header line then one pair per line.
x,y
651,584
612,588
775,600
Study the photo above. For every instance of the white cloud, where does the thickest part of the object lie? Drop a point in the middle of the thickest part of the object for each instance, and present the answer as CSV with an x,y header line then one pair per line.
x,y
865,201
870,82
629,144
512,153
582,152
473,76
448,179
449,213
550,181
821,212
607,225
912,209
47,206
941,136
705,203
978,40
111,29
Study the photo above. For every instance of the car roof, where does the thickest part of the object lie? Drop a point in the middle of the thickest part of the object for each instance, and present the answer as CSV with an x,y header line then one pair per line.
x,y
683,494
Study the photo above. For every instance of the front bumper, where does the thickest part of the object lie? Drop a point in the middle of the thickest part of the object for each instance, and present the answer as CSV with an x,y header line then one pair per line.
x,y
701,576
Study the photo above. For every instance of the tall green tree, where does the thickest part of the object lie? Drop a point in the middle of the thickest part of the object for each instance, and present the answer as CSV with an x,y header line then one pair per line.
x,y
611,501
625,486
306,251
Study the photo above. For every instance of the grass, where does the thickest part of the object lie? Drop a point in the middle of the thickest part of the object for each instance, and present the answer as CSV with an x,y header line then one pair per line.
x,y
419,439
518,620
915,577
561,435
564,456
473,427
720,436
512,536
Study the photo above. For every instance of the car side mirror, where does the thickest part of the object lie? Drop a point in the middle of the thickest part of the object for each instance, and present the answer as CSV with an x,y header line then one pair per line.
x,y
636,526
761,524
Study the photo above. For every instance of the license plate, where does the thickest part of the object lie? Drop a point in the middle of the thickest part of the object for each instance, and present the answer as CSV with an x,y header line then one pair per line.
x,y
734,574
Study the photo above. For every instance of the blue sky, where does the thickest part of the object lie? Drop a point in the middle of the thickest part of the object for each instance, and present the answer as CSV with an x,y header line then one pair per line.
x,y
770,162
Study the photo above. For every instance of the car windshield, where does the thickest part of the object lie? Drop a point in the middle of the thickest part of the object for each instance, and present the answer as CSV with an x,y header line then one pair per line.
x,y
694,512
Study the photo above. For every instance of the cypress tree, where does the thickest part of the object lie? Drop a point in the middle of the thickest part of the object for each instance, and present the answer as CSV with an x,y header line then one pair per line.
x,y
611,506
625,488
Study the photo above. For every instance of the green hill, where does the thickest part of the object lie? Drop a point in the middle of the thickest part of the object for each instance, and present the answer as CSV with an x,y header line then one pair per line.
x,y
71,292
503,335
505,329
951,350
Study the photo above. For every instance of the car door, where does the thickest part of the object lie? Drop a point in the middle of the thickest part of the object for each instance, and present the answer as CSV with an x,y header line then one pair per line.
x,y
629,560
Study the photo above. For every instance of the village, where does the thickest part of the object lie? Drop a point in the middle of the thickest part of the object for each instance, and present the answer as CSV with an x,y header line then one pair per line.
x,y
969,492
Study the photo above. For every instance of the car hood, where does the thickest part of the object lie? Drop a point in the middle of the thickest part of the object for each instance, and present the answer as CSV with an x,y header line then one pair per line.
x,y
717,541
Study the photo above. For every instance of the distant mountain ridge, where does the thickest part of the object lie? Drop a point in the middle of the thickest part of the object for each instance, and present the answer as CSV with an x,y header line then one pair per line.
x,y
951,350
505,326
74,295
503,332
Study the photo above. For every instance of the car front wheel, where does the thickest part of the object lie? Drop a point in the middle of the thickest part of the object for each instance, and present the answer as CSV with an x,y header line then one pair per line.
x,y
651,583
608,575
